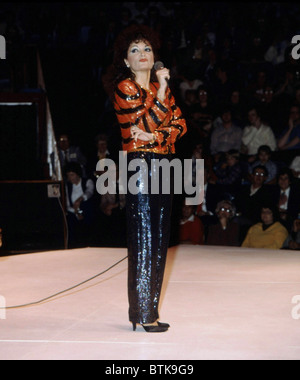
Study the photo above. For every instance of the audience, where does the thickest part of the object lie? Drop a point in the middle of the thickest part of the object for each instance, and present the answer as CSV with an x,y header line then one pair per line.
x,y
293,240
226,231
269,233
101,152
217,70
287,197
80,207
251,198
264,159
70,153
191,228
290,137
226,135
229,172
295,167
257,134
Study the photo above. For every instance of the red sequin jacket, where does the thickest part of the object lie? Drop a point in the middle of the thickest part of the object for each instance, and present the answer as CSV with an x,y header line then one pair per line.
x,y
136,106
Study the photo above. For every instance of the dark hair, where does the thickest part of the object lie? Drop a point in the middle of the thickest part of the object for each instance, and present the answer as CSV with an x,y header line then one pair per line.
x,y
118,71
286,170
257,108
101,137
233,153
265,148
73,167
262,168
273,208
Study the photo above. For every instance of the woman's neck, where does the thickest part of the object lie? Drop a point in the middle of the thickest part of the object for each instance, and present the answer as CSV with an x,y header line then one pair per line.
x,y
143,79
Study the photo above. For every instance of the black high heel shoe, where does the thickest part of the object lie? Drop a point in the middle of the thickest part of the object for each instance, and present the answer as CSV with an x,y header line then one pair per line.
x,y
152,328
161,324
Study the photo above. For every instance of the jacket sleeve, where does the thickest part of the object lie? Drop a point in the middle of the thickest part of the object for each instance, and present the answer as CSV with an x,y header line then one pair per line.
x,y
135,106
176,127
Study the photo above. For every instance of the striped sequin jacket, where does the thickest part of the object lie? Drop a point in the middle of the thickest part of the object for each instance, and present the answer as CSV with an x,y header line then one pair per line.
x,y
137,106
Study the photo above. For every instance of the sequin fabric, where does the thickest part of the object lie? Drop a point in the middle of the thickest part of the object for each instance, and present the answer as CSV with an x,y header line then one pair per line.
x,y
148,231
148,215
136,106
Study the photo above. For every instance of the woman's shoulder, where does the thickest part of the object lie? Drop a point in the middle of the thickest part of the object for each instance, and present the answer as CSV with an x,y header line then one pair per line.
x,y
128,86
257,227
279,226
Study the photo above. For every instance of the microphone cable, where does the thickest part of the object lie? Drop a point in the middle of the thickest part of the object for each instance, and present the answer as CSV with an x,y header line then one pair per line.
x,y
64,291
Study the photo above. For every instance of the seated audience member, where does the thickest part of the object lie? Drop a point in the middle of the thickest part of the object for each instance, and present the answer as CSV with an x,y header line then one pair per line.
x,y
264,159
199,154
188,82
290,137
225,135
293,240
237,107
229,175
70,153
256,134
101,152
295,167
229,172
191,98
205,210
251,197
110,227
225,232
271,109
191,227
222,84
80,209
201,115
269,233
287,197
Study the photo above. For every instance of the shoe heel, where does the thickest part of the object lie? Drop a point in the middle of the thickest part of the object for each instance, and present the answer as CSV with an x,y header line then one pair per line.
x,y
133,326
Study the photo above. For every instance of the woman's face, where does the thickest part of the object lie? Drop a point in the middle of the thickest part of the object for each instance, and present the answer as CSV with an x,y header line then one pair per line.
x,y
140,56
225,212
267,216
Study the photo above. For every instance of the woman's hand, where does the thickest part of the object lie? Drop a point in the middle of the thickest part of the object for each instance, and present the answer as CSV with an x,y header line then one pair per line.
x,y
163,75
137,133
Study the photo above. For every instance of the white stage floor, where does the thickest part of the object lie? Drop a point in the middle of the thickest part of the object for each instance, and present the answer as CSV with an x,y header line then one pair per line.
x,y
222,303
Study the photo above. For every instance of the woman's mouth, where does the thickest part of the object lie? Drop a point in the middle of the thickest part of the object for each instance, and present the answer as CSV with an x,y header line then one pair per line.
x,y
143,60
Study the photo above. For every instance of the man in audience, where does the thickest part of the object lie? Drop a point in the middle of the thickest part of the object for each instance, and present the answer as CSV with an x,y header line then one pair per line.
x,y
290,137
264,159
287,197
257,134
251,198
226,135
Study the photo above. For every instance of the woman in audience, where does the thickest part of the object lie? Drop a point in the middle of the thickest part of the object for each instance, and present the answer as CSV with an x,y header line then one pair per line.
x,y
269,233
226,231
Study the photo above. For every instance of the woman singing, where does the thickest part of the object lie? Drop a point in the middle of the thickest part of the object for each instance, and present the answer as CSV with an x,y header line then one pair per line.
x,y
150,124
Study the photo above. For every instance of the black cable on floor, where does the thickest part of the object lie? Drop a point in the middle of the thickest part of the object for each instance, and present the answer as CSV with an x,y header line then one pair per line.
x,y
66,290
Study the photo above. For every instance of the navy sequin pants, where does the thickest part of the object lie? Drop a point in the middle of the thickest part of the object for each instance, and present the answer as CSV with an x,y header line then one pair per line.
x,y
148,234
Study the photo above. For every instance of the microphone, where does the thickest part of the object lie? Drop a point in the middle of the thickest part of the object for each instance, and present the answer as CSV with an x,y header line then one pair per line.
x,y
159,65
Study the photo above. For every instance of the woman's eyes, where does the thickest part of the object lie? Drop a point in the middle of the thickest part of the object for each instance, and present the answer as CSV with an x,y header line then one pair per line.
x,y
136,50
